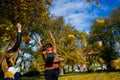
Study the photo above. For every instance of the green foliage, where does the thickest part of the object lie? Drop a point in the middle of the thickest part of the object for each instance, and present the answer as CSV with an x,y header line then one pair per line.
x,y
115,17
106,32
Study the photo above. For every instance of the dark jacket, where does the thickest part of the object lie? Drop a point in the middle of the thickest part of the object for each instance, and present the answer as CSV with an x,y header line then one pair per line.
x,y
17,43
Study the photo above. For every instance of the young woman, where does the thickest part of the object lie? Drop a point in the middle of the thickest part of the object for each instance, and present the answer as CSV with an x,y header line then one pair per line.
x,y
8,59
51,70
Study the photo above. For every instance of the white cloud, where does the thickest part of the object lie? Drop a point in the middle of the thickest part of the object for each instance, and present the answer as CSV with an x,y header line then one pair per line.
x,y
65,7
79,13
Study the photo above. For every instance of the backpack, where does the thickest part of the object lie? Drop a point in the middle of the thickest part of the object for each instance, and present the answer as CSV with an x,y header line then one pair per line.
x,y
49,59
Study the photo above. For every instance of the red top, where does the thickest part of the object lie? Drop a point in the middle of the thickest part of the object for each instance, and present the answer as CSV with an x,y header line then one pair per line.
x,y
54,66
49,67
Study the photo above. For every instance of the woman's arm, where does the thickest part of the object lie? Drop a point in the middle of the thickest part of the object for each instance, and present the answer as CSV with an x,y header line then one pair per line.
x,y
39,41
54,43
18,41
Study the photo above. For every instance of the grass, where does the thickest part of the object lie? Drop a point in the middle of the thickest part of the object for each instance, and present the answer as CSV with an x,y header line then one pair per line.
x,y
82,76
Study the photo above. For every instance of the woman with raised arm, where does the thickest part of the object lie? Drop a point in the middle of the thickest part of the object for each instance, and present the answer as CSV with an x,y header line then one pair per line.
x,y
10,55
51,61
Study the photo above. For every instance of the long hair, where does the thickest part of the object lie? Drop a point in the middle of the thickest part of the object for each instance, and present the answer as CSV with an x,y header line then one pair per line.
x,y
9,45
2,55
3,60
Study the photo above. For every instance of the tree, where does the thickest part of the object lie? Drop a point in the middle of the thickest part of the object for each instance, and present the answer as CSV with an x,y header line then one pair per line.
x,y
32,14
106,32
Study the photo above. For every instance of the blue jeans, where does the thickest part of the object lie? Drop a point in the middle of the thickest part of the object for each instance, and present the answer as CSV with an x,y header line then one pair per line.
x,y
51,74
17,76
8,79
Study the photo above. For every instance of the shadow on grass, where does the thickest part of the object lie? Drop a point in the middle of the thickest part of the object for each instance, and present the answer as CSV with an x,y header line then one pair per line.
x,y
33,75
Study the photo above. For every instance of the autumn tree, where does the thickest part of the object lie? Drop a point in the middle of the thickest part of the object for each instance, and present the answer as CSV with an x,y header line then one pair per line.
x,y
32,14
106,31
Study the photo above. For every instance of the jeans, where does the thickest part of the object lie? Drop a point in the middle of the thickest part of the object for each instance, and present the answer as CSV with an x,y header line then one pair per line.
x,y
17,76
8,79
52,74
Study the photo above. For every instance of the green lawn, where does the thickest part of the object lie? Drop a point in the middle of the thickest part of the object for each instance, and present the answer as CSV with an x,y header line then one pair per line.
x,y
83,76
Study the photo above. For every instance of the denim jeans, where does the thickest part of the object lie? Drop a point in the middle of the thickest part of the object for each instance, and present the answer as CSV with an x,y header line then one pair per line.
x,y
17,76
52,74
8,79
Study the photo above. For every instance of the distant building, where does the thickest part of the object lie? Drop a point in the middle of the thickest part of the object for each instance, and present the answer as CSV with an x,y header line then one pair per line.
x,y
91,54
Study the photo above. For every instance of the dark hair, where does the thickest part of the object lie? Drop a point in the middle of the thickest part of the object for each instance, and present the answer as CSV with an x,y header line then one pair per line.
x,y
47,45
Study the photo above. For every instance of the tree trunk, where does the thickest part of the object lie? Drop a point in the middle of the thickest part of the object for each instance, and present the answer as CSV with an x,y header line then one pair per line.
x,y
62,71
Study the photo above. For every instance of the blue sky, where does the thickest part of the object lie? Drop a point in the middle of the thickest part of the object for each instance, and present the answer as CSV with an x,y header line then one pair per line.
x,y
80,13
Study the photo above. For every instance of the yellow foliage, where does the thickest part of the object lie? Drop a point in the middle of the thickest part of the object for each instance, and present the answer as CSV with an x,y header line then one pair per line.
x,y
100,43
101,61
80,49
5,39
92,76
116,63
26,38
85,43
71,36
7,28
43,14
100,20
83,35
